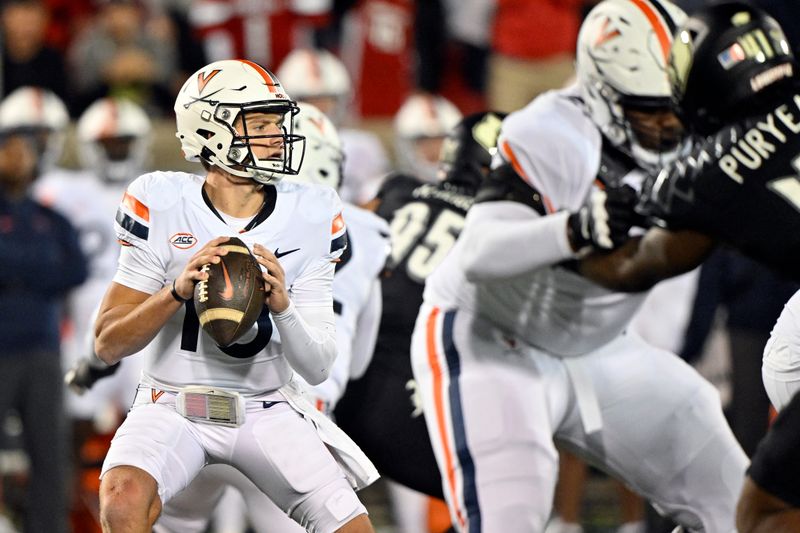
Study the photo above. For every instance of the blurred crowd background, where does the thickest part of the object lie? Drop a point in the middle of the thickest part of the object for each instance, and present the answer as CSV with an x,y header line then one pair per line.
x,y
478,54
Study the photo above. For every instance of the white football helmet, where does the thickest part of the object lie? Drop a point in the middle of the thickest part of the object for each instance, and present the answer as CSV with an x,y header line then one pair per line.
x,y
42,113
220,96
324,157
113,139
318,77
621,63
421,124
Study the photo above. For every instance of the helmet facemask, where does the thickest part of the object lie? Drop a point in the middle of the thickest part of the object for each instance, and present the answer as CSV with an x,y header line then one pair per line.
x,y
117,159
654,132
248,127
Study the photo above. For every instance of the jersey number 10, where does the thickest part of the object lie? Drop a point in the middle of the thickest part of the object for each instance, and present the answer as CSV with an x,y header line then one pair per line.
x,y
191,334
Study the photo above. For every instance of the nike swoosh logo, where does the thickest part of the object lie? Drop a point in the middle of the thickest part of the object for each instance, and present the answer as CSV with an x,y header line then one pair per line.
x,y
227,294
281,254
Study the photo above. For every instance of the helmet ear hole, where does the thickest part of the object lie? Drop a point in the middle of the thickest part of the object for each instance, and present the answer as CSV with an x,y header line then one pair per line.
x,y
206,134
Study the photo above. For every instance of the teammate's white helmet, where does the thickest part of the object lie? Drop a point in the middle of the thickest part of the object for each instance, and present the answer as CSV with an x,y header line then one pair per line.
x,y
324,156
39,111
318,77
311,73
622,52
211,102
114,138
422,118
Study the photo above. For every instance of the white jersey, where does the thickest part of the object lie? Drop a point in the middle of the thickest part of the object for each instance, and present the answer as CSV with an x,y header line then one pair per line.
x,y
556,148
165,218
365,165
356,299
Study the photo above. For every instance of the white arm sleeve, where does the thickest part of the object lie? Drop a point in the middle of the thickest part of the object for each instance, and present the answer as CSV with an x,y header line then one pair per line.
x,y
330,390
506,239
353,352
307,327
369,321
308,339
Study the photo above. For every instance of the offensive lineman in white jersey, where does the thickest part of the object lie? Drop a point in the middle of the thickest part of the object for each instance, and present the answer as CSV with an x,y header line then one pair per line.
x,y
512,349
357,305
234,117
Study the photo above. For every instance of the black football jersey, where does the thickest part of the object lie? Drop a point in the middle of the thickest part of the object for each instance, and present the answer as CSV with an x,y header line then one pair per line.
x,y
425,220
741,187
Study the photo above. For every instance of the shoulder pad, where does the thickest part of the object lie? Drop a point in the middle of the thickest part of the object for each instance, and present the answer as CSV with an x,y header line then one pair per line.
x,y
160,190
504,184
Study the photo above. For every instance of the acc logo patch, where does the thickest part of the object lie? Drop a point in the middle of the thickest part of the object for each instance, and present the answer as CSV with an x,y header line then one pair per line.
x,y
184,241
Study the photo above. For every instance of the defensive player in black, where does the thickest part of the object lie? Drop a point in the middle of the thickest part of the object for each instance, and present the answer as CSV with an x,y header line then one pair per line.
x,y
738,91
735,83
378,410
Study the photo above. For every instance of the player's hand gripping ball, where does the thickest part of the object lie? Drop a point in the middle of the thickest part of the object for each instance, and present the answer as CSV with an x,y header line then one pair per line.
x,y
230,300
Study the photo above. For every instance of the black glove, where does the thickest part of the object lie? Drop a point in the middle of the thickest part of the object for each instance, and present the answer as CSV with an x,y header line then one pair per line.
x,y
603,222
621,205
82,376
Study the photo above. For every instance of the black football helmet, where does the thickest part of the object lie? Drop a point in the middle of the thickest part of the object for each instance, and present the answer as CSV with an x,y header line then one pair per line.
x,y
468,149
727,61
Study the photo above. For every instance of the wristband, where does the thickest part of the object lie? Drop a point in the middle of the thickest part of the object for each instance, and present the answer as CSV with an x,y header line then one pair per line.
x,y
177,296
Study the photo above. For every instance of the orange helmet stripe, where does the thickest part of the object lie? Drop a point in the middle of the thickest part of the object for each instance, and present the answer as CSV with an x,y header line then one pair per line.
x,y
664,36
269,79
109,128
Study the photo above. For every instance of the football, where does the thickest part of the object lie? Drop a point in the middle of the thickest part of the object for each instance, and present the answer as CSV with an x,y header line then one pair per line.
x,y
230,300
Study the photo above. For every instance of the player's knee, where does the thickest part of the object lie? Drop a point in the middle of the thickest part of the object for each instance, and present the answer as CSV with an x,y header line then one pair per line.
x,y
516,483
332,508
128,496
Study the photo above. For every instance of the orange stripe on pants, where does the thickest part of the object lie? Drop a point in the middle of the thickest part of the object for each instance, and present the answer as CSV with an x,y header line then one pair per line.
x,y
438,399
